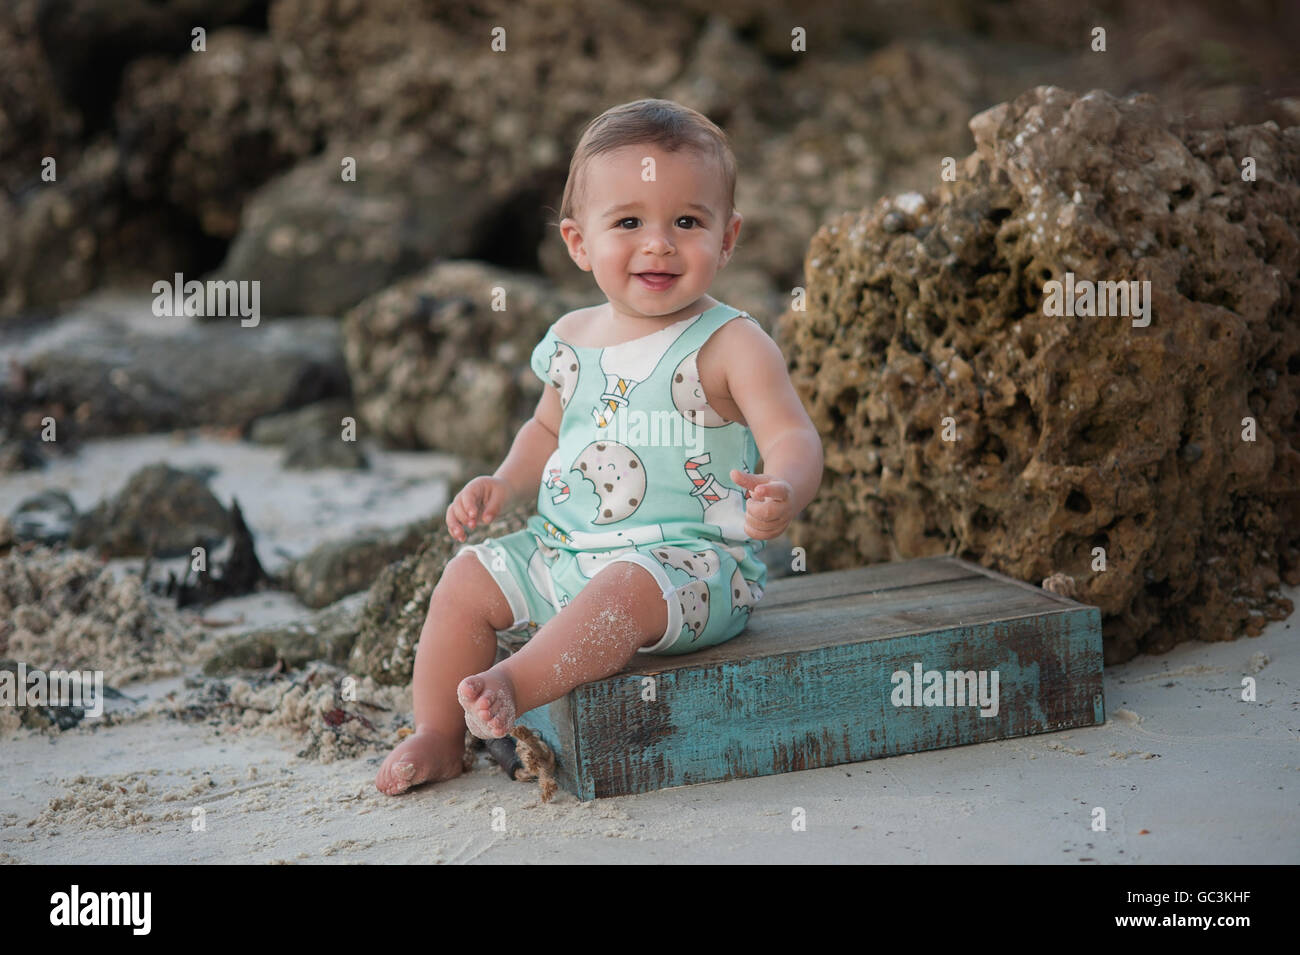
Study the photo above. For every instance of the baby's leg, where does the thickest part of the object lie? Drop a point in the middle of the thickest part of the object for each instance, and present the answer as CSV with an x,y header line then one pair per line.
x,y
459,638
619,611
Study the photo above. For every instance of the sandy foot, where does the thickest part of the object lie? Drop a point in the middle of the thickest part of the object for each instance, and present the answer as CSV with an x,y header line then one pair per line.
x,y
489,702
420,758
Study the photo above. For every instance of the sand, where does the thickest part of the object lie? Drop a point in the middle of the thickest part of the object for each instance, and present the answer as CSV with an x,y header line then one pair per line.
x,y
279,768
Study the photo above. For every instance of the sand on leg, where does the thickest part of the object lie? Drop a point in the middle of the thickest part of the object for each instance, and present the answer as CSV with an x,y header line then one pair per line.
x,y
458,639
621,610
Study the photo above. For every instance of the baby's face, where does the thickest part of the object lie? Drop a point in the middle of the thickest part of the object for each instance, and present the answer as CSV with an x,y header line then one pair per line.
x,y
673,223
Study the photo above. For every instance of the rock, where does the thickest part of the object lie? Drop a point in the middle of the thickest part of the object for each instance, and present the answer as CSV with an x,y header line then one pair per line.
x,y
35,120
398,601
40,716
206,131
160,506
337,568
69,222
48,517
280,428
61,715
319,245
311,450
19,454
326,635
109,34
723,75
433,365
313,436
52,104
99,375
1068,429
1062,584
166,154
240,573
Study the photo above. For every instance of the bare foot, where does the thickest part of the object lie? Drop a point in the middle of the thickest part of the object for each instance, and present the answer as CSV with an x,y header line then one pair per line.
x,y
422,757
489,702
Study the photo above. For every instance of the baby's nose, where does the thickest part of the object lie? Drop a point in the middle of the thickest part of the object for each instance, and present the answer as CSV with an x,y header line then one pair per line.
x,y
658,243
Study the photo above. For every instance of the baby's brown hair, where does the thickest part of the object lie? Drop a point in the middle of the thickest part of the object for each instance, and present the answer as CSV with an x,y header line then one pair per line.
x,y
658,122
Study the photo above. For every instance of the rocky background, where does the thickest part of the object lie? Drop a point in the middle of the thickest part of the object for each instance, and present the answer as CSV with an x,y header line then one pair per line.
x,y
898,297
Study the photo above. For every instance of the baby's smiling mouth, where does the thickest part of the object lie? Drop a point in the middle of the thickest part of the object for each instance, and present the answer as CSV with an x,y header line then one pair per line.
x,y
656,281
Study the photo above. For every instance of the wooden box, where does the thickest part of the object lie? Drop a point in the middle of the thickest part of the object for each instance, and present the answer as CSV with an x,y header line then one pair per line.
x,y
816,680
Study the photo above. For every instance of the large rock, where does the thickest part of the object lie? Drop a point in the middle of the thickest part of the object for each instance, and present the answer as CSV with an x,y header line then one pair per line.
x,y
319,244
206,130
335,569
464,154
54,236
319,416
35,121
49,517
1072,433
109,215
100,375
434,181
433,365
109,34
161,507
326,635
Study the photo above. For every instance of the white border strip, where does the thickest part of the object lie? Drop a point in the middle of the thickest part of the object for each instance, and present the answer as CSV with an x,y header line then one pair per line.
x,y
509,587
674,628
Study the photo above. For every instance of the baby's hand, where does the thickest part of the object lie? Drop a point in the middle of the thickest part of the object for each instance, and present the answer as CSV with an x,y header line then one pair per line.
x,y
483,495
770,510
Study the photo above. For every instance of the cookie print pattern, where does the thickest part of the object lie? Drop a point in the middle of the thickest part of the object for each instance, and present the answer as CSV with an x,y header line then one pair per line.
x,y
618,477
563,372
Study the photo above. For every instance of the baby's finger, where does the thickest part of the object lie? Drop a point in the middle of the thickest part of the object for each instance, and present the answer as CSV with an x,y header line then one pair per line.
x,y
457,513
454,529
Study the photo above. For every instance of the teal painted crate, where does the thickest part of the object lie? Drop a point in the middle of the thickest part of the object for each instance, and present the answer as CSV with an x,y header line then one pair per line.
x,y
813,681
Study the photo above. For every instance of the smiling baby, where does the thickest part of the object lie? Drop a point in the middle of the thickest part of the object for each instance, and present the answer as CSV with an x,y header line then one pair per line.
x,y
644,453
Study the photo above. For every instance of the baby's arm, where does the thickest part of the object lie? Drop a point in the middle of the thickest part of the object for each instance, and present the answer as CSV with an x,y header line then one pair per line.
x,y
518,476
533,445
760,385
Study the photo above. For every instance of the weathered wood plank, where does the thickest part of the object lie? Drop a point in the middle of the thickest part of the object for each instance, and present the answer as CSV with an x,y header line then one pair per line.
x,y
803,588
804,626
810,683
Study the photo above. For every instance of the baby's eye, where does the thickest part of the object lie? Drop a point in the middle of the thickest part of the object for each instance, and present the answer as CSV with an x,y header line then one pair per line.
x,y
628,219
688,218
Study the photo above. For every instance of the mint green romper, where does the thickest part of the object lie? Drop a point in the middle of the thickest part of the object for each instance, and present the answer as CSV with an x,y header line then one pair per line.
x,y
641,474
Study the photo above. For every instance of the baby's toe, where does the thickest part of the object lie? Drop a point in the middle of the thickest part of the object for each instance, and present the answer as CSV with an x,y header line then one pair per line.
x,y
470,689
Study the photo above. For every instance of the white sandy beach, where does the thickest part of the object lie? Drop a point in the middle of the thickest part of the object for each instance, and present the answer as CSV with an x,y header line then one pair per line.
x,y
1185,770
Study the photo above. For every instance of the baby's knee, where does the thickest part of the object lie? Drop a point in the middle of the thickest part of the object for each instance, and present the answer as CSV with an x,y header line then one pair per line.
x,y
466,584
625,576
634,587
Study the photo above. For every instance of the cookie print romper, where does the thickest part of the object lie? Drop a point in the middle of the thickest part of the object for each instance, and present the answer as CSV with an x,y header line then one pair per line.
x,y
641,474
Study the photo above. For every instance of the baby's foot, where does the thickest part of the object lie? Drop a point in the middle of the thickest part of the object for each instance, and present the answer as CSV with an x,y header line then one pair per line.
x,y
489,702
422,757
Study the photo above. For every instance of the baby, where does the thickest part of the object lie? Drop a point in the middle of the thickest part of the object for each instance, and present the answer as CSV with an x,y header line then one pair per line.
x,y
646,443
